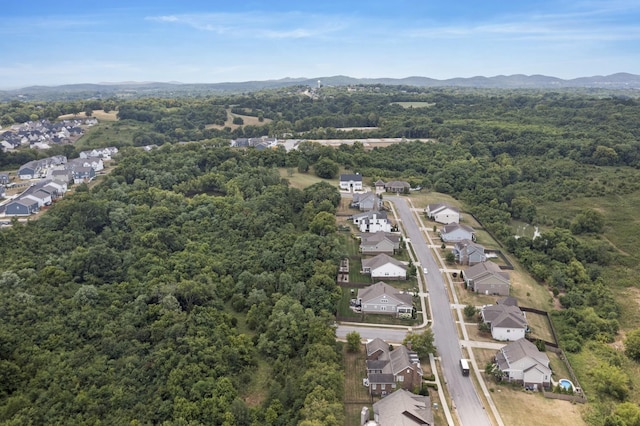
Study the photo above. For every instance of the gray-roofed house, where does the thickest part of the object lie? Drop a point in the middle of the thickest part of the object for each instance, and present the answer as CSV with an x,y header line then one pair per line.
x,y
397,186
455,232
468,252
22,207
379,185
522,362
351,182
4,178
30,170
443,213
367,201
43,198
403,408
388,370
487,278
2,191
62,176
507,322
379,242
83,174
381,298
384,266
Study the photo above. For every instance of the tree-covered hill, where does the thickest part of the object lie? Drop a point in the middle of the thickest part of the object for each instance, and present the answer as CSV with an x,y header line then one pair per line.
x,y
121,304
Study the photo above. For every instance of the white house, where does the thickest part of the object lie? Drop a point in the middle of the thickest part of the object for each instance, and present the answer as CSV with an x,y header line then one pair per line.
x,y
384,266
375,223
455,232
351,182
43,198
507,322
522,362
443,213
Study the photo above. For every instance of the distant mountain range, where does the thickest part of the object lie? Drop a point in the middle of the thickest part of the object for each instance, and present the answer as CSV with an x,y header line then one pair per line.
x,y
518,81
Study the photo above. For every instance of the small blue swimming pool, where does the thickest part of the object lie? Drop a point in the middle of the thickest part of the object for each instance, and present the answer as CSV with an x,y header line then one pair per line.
x,y
566,384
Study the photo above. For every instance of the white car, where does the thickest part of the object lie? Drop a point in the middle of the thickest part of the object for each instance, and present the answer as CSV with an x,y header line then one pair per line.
x,y
425,270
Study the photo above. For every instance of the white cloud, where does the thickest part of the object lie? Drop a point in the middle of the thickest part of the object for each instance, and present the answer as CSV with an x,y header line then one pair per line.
x,y
291,25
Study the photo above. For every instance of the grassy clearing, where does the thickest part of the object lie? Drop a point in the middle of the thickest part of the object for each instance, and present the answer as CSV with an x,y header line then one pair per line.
x,y
119,133
303,180
518,407
249,120
99,114
414,104
255,393
540,326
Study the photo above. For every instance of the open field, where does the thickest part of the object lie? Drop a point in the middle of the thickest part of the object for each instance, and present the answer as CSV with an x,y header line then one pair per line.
x,y
249,120
518,407
302,180
99,114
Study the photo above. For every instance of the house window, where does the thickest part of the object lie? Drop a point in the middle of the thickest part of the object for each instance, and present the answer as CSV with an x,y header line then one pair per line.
x,y
373,386
384,301
393,386
508,330
383,308
400,378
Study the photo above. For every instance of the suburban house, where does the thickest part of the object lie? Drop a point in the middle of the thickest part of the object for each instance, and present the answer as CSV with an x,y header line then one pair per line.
x,y
83,174
95,163
522,362
443,213
2,191
381,298
30,170
379,242
62,176
455,232
4,178
359,217
388,369
384,266
379,185
403,408
103,153
487,278
397,186
468,252
375,223
43,198
56,189
351,182
22,207
367,201
507,321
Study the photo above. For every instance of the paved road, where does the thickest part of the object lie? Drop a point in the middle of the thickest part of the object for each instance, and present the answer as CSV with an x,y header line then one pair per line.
x,y
465,399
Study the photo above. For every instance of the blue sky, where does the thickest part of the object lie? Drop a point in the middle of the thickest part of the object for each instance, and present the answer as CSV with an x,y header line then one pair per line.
x,y
61,42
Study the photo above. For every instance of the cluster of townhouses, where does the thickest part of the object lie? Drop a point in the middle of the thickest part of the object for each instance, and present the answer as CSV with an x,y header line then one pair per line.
x,y
54,174
42,134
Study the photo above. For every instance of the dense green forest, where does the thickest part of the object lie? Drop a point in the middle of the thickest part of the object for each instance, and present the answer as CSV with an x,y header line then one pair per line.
x,y
127,302
133,292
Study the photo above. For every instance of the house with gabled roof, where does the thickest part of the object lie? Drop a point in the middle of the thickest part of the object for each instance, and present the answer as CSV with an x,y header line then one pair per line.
x,y
388,370
359,217
403,408
381,298
379,242
455,232
21,207
522,362
375,223
468,252
379,185
43,198
443,213
4,179
487,278
83,174
351,182
397,186
366,201
384,266
507,322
